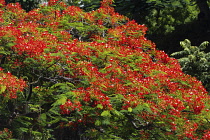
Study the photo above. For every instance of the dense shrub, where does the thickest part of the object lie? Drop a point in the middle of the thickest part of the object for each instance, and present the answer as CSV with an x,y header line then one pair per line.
x,y
92,75
195,61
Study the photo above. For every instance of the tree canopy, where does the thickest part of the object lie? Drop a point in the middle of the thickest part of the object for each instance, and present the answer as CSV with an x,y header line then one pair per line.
x,y
166,19
70,74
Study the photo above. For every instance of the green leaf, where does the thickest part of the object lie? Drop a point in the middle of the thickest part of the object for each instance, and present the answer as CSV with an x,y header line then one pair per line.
x,y
97,122
146,105
4,52
58,85
119,70
138,109
30,60
147,108
185,83
64,119
46,50
115,112
146,89
22,129
53,111
160,122
124,111
57,54
130,109
103,86
70,94
2,88
10,44
106,122
142,107
106,113
43,119
203,45
70,84
176,4
185,44
155,72
57,119
43,116
99,106
128,83
120,96
60,101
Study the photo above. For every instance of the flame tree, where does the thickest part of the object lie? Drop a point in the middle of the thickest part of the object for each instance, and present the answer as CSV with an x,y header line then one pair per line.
x,y
70,74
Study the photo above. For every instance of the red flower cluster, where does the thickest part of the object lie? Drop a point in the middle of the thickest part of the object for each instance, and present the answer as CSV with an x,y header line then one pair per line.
x,y
68,107
6,134
206,135
2,2
10,85
52,2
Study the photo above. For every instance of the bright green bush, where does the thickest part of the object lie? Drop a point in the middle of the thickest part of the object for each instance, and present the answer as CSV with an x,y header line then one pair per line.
x,y
195,61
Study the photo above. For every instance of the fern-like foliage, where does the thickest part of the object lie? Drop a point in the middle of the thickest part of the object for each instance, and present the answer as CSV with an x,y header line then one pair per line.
x,y
195,61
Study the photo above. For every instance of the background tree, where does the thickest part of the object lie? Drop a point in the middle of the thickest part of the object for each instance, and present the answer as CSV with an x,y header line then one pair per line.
x,y
26,4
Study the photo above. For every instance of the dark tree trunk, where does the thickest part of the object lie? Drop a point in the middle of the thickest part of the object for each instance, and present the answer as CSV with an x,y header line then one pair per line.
x,y
204,15
137,13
